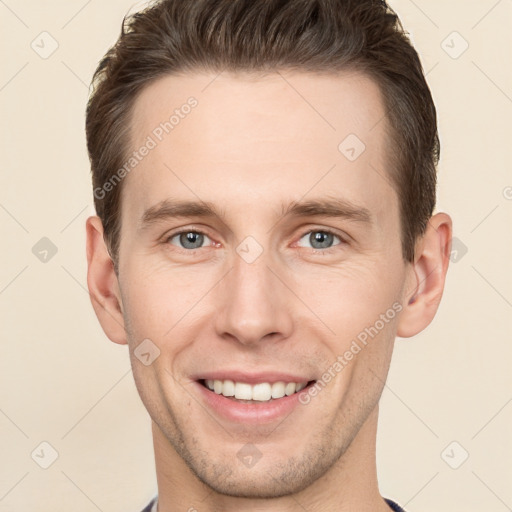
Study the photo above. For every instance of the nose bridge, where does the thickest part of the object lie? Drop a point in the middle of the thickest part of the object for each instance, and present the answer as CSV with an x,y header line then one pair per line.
x,y
251,300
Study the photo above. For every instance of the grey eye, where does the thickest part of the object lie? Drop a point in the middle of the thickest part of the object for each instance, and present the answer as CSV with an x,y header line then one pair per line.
x,y
189,239
320,239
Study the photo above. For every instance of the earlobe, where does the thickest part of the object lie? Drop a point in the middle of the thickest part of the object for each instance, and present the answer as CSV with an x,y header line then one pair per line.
x,y
428,274
103,284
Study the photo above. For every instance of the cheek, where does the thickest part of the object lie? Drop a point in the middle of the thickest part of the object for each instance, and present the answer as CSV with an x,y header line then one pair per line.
x,y
157,301
349,300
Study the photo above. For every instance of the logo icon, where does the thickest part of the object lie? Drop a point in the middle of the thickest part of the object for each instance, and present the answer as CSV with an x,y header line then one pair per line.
x,y
454,45
249,249
44,250
45,45
459,250
454,455
44,455
351,147
146,352
249,455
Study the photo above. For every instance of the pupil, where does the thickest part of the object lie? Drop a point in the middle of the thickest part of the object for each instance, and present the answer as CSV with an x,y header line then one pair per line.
x,y
191,240
321,238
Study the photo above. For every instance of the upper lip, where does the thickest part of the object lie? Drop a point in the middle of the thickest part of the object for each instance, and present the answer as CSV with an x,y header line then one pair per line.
x,y
252,378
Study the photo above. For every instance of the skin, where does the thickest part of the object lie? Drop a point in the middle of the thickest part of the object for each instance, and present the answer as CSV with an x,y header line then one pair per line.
x,y
251,144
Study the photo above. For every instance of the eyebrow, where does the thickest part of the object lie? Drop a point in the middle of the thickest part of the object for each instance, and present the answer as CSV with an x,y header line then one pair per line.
x,y
325,207
328,207
169,209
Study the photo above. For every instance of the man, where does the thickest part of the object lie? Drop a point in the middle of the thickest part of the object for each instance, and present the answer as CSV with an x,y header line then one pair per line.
x,y
264,176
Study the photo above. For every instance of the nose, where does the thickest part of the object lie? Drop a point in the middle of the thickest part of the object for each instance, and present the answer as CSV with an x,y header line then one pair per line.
x,y
253,303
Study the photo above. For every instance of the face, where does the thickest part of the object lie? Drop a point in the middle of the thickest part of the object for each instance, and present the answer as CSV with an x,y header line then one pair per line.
x,y
259,247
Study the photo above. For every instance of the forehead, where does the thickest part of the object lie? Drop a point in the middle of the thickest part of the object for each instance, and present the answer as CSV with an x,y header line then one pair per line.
x,y
282,135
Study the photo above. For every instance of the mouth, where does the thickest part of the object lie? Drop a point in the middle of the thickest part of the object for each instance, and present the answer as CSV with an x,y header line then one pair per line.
x,y
258,393
253,398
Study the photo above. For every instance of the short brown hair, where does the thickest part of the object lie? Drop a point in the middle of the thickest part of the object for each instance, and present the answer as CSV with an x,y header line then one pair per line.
x,y
176,36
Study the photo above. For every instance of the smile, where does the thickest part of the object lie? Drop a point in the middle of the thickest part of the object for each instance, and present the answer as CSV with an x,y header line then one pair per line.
x,y
260,392
251,399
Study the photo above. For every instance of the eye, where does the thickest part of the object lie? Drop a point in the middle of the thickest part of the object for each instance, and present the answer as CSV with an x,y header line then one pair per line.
x,y
188,239
320,239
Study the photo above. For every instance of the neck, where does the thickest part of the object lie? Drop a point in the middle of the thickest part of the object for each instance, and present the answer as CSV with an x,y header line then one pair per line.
x,y
350,484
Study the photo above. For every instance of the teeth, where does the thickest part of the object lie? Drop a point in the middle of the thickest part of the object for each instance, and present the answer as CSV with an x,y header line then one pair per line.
x,y
261,392
278,389
290,388
228,387
243,391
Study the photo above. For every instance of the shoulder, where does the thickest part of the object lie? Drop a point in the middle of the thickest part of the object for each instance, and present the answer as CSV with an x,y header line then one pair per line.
x,y
394,506
149,507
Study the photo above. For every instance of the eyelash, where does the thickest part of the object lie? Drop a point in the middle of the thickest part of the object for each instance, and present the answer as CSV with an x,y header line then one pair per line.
x,y
328,250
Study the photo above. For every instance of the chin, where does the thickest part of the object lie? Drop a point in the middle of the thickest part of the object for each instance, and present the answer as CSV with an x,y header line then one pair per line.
x,y
254,485
266,479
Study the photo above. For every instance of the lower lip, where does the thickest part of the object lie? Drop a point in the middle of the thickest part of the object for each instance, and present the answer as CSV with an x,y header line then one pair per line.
x,y
257,412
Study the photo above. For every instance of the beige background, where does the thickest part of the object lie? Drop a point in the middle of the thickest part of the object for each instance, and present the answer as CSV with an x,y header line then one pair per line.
x,y
62,381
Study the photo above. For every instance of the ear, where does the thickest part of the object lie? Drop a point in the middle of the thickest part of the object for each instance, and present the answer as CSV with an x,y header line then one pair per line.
x,y
103,284
427,276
